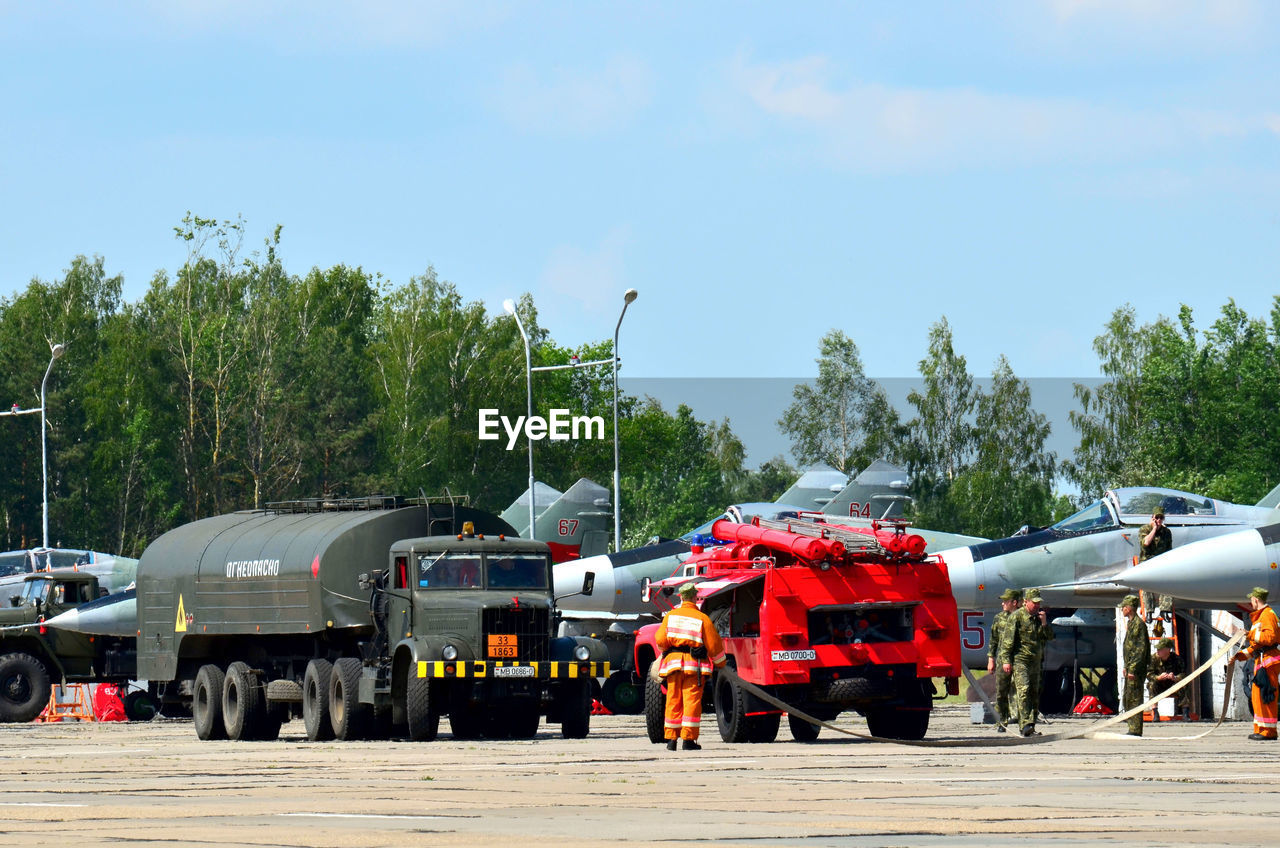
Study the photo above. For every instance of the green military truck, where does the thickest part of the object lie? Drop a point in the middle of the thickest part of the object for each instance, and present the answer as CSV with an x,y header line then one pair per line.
x,y
33,658
368,618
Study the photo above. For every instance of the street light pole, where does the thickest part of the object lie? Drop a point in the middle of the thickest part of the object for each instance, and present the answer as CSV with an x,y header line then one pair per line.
x,y
510,306
57,351
627,299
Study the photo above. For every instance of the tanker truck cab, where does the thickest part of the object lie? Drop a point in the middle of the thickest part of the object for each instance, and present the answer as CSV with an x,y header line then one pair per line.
x,y
471,621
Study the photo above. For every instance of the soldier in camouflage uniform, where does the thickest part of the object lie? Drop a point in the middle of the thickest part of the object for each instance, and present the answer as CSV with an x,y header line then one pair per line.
x,y
1137,656
1154,538
1164,670
1000,624
1022,655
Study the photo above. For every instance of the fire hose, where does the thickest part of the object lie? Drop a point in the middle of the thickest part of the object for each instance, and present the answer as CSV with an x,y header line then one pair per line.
x,y
1006,741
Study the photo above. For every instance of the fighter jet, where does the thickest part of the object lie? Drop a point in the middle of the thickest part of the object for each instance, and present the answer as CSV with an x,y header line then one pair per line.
x,y
576,523
1214,572
878,492
114,573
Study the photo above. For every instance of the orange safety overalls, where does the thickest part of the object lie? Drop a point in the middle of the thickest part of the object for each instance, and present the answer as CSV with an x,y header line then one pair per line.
x,y
683,630
1263,636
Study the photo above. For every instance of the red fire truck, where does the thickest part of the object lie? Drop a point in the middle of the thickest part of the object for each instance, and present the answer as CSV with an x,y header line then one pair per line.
x,y
824,617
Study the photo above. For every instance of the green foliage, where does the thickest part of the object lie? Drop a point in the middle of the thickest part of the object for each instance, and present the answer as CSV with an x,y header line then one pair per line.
x,y
844,419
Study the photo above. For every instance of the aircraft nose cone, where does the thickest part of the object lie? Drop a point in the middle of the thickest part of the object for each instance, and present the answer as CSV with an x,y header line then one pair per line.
x,y
1218,570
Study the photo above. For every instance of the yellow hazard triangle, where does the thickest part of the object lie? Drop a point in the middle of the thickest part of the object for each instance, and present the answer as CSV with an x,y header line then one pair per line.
x,y
180,626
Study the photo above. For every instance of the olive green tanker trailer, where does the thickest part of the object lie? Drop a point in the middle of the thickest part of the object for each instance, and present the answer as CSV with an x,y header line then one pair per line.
x,y
367,617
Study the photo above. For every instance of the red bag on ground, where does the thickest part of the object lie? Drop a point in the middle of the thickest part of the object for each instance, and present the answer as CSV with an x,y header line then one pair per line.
x,y
107,705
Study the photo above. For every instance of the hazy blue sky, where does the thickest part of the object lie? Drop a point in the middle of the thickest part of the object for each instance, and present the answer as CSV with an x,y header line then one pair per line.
x,y
760,172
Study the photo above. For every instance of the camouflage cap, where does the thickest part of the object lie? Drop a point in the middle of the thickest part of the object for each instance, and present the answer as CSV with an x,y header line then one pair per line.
x,y
1129,601
1011,595
1165,643
1159,513
1259,593
689,591
1032,596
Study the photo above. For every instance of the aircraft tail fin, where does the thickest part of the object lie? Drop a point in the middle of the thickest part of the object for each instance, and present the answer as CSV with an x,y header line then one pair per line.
x,y
1271,500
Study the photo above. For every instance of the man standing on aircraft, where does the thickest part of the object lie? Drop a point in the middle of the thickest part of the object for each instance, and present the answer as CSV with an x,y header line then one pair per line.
x,y
1022,655
1154,539
1263,637
1166,669
690,646
1137,655
1000,624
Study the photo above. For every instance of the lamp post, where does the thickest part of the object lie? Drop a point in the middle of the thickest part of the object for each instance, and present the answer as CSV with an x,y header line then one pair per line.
x,y
57,352
510,306
627,299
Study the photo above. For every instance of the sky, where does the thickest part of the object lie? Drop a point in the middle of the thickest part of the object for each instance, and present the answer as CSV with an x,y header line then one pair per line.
x,y
760,173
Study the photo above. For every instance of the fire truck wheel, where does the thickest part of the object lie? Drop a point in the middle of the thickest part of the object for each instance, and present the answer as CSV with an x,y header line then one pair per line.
x,y
575,717
655,705
423,716
206,703
349,717
243,710
620,696
890,722
24,687
315,700
731,711
763,728
801,730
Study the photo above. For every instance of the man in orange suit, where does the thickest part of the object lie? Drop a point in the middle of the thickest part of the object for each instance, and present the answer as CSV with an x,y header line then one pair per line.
x,y
691,646
1263,637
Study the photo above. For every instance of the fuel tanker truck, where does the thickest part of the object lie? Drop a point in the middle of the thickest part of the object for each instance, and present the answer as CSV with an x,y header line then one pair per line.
x,y
367,617
824,618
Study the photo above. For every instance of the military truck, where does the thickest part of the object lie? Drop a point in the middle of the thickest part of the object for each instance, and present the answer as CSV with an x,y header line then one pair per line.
x,y
367,617
823,617
33,658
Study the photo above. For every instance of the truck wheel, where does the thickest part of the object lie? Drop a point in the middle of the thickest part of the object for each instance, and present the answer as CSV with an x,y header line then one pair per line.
x,y
349,717
523,719
763,728
243,710
423,715
801,730
575,714
315,700
898,722
655,710
206,703
24,687
140,706
731,711
620,696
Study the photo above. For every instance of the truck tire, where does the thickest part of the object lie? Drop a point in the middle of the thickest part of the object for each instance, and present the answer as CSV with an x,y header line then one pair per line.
x,y
349,717
523,719
243,710
575,711
621,696
655,710
315,700
466,722
24,687
731,711
206,703
801,730
898,722
423,715
140,706
763,728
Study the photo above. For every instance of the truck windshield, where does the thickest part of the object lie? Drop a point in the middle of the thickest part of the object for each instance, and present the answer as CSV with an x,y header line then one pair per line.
x,y
17,562
34,590
516,572
450,571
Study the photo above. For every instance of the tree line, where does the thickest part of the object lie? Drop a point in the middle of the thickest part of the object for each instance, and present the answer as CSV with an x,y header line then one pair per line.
x,y
233,383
